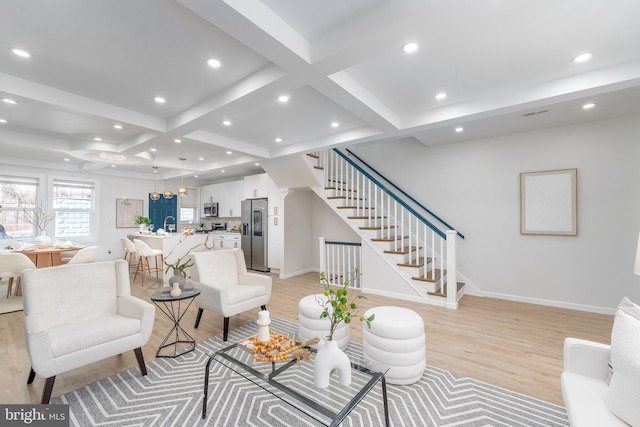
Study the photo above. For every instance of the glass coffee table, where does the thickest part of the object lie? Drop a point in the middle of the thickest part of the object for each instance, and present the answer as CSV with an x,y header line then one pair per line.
x,y
292,382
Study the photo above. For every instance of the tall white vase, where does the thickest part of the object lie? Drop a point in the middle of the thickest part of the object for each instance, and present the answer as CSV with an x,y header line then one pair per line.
x,y
328,358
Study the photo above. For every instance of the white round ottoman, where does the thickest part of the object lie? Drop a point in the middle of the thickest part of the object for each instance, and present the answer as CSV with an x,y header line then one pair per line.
x,y
396,339
310,325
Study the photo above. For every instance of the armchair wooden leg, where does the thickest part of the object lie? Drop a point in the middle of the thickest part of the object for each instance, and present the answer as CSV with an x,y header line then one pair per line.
x,y
225,334
32,376
198,317
48,388
140,358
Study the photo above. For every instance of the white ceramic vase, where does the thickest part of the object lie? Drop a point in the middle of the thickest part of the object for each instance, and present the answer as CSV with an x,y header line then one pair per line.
x,y
42,241
328,358
177,278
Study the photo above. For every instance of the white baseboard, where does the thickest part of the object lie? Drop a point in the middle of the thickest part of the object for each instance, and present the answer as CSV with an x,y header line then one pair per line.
x,y
551,303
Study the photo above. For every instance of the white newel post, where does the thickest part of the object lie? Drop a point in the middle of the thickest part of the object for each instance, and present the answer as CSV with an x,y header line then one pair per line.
x,y
323,255
452,269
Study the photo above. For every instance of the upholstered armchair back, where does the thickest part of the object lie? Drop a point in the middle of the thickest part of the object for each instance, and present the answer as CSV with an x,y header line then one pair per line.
x,y
64,294
218,268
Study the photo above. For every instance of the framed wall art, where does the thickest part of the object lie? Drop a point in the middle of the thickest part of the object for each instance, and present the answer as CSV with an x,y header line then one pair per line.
x,y
127,210
548,202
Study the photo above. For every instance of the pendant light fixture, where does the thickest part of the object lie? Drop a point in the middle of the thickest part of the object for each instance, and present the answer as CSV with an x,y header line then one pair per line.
x,y
167,194
155,195
182,191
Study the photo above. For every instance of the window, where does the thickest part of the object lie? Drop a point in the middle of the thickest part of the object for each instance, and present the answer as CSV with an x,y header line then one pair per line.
x,y
17,195
187,214
74,207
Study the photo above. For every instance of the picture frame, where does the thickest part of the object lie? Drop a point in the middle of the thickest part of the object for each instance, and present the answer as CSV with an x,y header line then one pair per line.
x,y
548,202
127,210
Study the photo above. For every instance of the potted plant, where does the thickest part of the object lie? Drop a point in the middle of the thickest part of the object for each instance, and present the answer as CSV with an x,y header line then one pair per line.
x,y
338,306
142,221
179,270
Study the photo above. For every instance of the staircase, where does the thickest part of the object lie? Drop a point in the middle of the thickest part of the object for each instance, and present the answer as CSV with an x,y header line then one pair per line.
x,y
416,244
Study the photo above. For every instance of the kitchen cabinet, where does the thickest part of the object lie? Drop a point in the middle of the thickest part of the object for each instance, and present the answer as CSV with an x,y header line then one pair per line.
x,y
256,186
232,196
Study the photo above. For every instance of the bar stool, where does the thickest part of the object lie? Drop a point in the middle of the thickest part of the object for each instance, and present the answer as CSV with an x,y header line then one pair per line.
x,y
144,253
130,251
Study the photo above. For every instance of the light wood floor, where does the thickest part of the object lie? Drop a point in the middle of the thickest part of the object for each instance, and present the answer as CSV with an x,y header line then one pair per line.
x,y
513,345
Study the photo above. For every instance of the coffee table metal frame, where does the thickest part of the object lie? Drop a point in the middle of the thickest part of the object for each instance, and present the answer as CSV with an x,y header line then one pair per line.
x,y
269,381
167,304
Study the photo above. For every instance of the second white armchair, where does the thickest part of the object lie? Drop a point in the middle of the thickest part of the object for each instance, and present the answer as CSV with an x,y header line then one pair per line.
x,y
226,286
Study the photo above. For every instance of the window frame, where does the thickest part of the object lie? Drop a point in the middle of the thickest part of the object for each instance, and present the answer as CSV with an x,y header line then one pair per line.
x,y
94,220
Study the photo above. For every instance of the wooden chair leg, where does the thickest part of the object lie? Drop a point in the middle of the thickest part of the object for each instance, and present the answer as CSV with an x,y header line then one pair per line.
x,y
225,333
48,388
140,358
9,286
139,267
19,287
198,317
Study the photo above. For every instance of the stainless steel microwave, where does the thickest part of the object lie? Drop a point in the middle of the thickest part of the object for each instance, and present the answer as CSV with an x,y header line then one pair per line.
x,y
211,209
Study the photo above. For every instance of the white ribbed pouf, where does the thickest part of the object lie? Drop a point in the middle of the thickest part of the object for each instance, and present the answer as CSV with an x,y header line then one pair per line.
x,y
396,339
310,325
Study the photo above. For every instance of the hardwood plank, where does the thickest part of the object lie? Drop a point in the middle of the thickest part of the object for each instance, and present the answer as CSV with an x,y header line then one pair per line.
x,y
514,345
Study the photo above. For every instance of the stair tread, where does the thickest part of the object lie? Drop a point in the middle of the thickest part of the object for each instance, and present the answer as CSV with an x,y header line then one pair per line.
x,y
437,275
415,263
366,217
388,239
377,228
343,198
404,250
315,156
444,292
319,168
355,207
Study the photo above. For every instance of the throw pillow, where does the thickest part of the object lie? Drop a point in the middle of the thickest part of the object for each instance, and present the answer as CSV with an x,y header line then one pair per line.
x,y
623,397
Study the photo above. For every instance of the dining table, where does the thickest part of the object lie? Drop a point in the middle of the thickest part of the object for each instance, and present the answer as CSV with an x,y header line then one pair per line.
x,y
48,256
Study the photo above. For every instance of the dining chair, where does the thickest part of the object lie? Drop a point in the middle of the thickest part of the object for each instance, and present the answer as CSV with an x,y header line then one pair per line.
x,y
145,253
84,255
11,265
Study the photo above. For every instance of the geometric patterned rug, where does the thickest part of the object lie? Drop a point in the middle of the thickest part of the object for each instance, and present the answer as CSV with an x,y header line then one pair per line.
x,y
171,395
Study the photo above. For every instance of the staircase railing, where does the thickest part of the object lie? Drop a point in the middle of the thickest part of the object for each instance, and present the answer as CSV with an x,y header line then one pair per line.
x,y
432,249
339,260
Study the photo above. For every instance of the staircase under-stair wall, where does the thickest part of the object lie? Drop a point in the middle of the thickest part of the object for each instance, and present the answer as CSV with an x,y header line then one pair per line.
x,y
418,256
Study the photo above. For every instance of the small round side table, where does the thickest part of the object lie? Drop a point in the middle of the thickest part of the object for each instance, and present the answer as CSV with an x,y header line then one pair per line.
x,y
175,308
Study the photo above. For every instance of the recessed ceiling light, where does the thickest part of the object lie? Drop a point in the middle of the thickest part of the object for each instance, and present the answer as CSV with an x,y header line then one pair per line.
x,y
22,53
335,124
113,166
222,171
97,138
9,101
257,164
200,158
195,176
67,159
229,152
441,95
283,98
177,141
582,57
159,100
226,123
588,106
459,129
153,149
410,47
213,63
117,126
3,121
278,140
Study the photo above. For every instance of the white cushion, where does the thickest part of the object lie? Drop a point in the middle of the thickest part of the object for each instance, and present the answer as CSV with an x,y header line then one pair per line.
x,y
395,322
240,293
76,336
623,398
391,344
584,401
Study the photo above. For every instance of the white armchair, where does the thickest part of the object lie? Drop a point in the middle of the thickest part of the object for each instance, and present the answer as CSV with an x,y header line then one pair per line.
x,y
584,383
78,314
225,285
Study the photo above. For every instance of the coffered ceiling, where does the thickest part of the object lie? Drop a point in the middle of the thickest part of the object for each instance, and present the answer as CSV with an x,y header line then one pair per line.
x,y
505,66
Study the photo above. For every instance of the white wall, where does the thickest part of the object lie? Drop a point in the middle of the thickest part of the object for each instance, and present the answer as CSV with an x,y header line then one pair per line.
x,y
297,236
475,187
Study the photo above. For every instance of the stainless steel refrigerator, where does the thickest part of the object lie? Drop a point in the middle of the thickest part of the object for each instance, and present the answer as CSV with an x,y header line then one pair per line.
x,y
254,233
